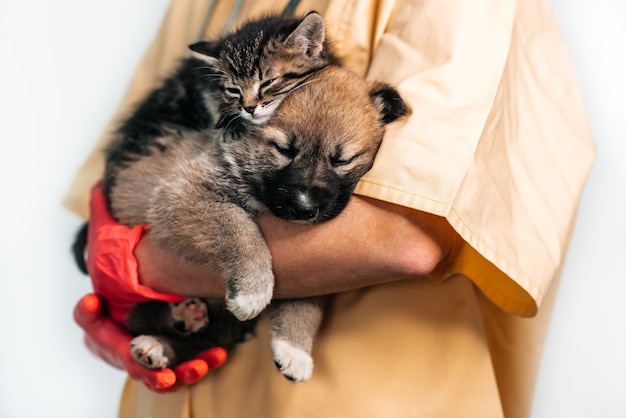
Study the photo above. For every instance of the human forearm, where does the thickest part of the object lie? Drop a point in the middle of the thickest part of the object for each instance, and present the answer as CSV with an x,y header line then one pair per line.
x,y
371,242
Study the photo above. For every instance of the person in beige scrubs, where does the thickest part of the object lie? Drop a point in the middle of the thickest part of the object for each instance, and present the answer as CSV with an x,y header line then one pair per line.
x,y
446,261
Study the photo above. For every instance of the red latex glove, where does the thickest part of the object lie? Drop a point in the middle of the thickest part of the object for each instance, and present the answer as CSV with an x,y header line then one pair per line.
x,y
108,341
113,271
111,263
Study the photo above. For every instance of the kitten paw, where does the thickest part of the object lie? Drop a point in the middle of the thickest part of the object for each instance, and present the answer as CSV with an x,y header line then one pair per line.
x,y
247,306
149,352
294,363
189,316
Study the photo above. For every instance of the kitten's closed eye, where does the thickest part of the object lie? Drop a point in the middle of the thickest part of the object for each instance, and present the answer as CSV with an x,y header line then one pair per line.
x,y
233,91
267,83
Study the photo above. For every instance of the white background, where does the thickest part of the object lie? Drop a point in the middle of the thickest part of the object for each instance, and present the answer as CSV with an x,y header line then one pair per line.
x,y
64,66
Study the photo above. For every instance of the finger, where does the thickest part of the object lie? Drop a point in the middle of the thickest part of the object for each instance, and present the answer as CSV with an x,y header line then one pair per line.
x,y
87,310
191,371
169,389
107,341
214,357
156,380
119,356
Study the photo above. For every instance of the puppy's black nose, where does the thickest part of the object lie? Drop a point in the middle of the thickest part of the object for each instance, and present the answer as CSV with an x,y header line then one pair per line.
x,y
304,211
298,203
304,205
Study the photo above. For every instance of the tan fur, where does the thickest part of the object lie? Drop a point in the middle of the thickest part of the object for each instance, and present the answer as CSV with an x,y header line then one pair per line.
x,y
339,111
199,193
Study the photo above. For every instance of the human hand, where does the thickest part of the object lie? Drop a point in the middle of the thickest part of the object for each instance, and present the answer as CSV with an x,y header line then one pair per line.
x,y
108,341
111,263
113,271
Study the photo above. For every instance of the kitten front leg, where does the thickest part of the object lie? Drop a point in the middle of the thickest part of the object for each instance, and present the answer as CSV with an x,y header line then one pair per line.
x,y
294,325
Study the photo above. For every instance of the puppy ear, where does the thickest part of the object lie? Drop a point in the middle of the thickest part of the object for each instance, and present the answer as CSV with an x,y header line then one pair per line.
x,y
309,36
388,102
206,51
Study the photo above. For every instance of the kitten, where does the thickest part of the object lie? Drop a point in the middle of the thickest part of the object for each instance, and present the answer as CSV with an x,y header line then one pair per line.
x,y
242,76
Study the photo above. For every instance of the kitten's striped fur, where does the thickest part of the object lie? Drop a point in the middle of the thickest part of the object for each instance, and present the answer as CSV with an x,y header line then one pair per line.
x,y
241,76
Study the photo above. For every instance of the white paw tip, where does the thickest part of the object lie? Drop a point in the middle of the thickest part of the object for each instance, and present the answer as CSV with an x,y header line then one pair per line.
x,y
246,307
148,352
294,363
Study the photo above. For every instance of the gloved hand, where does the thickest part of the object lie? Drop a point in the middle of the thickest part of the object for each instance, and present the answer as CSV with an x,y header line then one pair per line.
x,y
113,271
108,341
111,263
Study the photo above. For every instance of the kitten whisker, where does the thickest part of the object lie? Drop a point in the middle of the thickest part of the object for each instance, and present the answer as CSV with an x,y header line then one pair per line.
x,y
291,89
213,94
209,67
230,119
211,76
301,85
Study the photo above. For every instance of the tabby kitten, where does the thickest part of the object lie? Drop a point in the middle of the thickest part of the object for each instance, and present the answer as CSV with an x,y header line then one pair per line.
x,y
262,62
241,76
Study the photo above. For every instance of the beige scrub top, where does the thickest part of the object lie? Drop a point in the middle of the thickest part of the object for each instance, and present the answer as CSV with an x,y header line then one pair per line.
x,y
497,143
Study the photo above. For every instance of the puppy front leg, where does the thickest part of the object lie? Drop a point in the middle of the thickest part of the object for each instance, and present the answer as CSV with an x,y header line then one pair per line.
x,y
294,325
222,236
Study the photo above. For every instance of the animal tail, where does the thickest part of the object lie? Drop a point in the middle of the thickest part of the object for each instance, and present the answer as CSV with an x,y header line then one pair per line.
x,y
79,246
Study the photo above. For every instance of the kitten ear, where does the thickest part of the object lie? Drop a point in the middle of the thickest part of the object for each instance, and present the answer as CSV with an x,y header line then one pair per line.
x,y
388,102
205,51
309,36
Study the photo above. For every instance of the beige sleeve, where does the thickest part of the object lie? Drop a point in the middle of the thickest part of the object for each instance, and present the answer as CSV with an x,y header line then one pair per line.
x,y
497,142
446,58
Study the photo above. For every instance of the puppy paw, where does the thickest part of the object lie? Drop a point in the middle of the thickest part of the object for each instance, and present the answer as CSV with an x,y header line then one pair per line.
x,y
149,352
247,306
294,363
